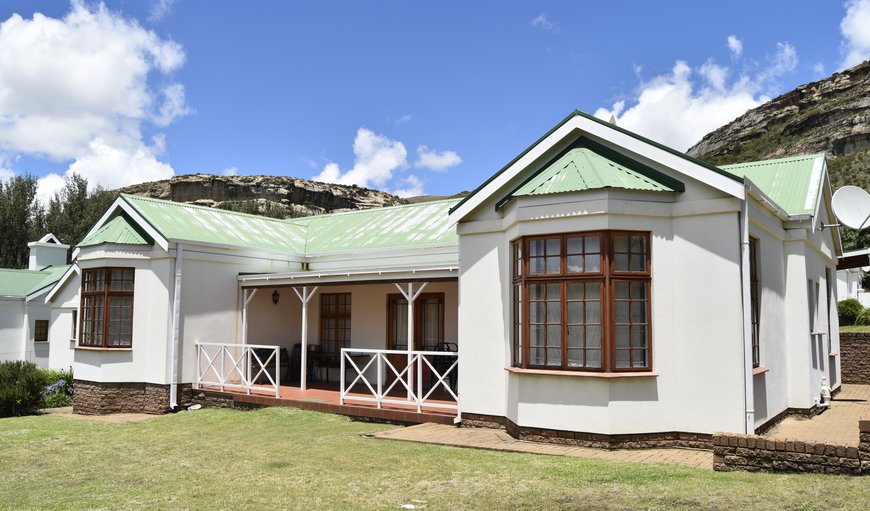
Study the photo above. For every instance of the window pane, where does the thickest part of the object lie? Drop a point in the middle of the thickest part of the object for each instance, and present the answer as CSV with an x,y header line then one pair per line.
x,y
575,263
554,335
620,243
638,358
638,290
575,336
554,312
554,246
554,291
593,359
622,337
592,244
537,335
536,265
575,358
537,356
554,356
554,264
638,262
638,336
593,312
536,292
622,359
593,263
620,262
621,312
575,291
593,290
593,336
575,245
638,312
638,244
575,312
536,312
621,290
536,248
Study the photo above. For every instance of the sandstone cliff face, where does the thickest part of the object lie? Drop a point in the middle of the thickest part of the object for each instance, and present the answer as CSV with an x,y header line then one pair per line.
x,y
272,195
831,115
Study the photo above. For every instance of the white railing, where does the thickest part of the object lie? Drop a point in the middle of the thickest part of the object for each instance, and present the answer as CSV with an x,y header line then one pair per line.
x,y
238,366
408,379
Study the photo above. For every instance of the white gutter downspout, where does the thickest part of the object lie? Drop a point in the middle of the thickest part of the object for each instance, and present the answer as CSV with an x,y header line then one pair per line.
x,y
176,327
749,401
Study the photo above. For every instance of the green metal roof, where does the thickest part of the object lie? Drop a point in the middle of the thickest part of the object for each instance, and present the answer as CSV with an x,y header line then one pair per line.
x,y
186,222
581,169
21,283
421,224
793,183
118,230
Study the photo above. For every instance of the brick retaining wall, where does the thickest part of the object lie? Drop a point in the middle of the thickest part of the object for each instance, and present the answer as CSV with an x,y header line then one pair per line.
x,y
755,453
855,358
98,398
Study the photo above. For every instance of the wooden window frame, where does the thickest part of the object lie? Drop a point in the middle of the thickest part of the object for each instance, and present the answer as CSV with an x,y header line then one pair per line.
x,y
43,323
106,294
607,277
336,316
418,317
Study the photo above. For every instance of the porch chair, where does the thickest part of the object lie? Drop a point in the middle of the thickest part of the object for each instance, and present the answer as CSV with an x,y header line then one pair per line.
x,y
442,363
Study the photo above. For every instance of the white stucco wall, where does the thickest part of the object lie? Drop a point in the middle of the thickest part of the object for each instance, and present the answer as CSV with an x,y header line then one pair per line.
x,y
696,318
60,335
12,330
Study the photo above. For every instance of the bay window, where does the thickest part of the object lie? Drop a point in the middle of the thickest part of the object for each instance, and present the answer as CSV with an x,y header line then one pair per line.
x,y
581,301
107,308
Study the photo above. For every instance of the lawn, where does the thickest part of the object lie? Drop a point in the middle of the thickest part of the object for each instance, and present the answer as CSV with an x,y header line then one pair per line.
x,y
278,458
856,329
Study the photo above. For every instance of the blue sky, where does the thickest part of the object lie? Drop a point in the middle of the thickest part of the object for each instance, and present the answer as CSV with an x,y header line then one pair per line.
x,y
408,97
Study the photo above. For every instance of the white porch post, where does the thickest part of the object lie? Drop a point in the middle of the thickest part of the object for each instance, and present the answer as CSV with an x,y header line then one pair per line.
x,y
305,297
411,295
247,296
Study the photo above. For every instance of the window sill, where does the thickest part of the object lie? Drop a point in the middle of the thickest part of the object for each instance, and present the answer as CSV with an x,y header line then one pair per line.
x,y
759,370
582,374
833,353
100,348
40,342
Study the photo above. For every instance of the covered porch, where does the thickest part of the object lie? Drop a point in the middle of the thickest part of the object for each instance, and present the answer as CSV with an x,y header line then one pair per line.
x,y
379,343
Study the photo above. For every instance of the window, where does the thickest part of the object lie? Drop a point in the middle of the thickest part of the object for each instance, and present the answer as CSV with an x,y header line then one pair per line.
x,y
334,322
40,330
428,321
754,301
581,301
75,323
107,308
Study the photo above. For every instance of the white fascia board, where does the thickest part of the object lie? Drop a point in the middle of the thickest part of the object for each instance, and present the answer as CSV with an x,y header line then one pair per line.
x,y
240,250
608,134
135,216
339,276
74,269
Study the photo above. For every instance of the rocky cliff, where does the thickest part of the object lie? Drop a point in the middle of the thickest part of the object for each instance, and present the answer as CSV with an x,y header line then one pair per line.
x,y
277,196
831,115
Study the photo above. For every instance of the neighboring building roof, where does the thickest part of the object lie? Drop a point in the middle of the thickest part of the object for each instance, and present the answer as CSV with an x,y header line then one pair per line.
x,y
582,168
185,222
118,230
20,283
420,224
793,183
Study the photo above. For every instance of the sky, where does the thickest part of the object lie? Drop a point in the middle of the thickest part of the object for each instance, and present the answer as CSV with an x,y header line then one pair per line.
x,y
408,97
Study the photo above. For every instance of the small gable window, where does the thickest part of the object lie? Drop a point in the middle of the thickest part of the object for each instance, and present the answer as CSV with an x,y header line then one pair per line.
x,y
581,302
107,308
40,330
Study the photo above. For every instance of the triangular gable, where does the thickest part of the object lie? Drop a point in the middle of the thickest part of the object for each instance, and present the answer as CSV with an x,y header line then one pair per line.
x,y
587,165
121,206
119,231
579,124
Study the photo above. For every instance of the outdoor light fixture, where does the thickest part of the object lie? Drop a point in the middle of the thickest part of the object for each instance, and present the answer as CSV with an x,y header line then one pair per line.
x,y
275,297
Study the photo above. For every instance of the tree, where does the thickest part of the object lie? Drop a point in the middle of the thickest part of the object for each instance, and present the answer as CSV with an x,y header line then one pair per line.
x,y
18,215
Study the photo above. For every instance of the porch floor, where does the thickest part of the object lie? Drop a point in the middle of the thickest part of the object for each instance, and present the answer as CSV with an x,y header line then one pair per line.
x,y
326,397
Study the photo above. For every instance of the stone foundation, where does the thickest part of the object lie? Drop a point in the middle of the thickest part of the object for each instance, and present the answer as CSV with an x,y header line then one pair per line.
x,y
630,441
99,398
855,358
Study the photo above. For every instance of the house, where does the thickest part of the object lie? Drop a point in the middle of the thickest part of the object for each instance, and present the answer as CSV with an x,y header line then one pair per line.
x,y
24,315
601,288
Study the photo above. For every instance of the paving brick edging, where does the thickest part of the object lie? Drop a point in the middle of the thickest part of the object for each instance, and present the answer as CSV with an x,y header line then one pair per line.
x,y
755,453
855,358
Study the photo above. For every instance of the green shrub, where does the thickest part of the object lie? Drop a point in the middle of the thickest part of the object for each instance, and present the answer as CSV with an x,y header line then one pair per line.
x,y
848,311
60,389
863,318
21,388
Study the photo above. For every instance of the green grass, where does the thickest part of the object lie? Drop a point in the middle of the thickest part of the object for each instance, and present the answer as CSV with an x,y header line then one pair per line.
x,y
854,329
279,458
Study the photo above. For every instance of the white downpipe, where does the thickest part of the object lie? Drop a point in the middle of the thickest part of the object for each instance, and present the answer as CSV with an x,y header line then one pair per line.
x,y
176,327
749,400
411,296
305,297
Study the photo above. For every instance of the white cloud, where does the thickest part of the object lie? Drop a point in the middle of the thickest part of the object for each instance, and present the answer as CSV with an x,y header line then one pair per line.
x,y
819,69
412,187
541,21
438,161
230,171
160,9
376,157
77,89
735,44
405,119
48,186
680,107
855,28
6,171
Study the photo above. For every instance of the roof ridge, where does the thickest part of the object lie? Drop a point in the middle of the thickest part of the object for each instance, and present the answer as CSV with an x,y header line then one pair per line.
x,y
203,208
369,210
773,161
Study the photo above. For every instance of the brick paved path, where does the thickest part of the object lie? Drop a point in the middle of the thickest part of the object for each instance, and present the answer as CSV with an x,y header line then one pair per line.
x,y
837,425
498,440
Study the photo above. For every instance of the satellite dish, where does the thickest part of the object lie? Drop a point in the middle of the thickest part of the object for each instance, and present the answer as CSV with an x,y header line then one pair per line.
x,y
851,205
